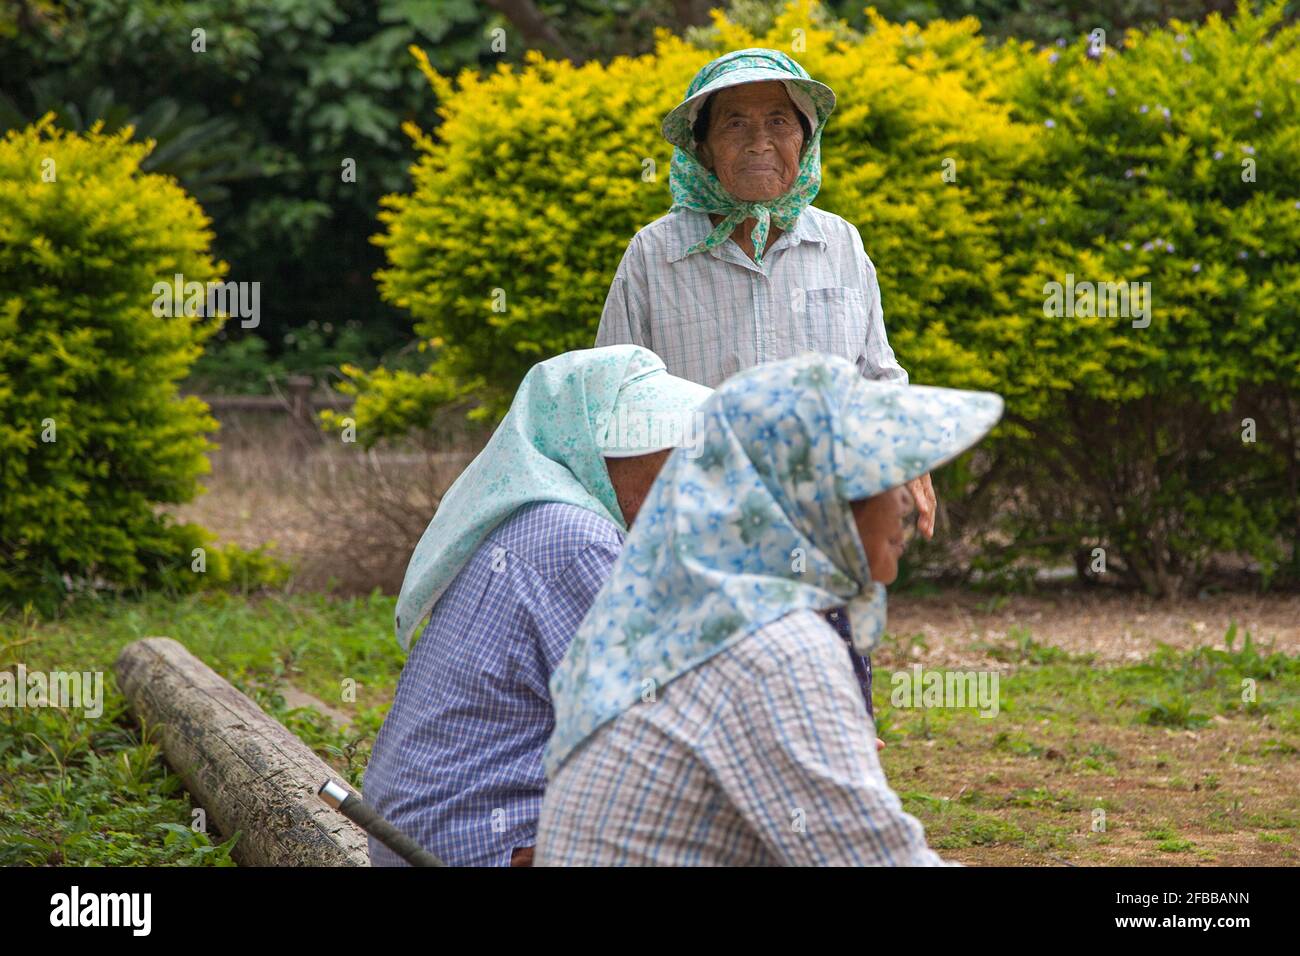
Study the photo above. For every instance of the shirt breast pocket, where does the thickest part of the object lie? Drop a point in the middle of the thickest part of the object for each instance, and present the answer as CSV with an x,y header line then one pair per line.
x,y
835,321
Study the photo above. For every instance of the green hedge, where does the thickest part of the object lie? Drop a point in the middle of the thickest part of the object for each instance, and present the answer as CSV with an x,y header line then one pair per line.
x,y
1174,162
94,437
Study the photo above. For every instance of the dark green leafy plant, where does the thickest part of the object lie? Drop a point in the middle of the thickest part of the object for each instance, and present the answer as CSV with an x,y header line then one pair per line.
x,y
82,792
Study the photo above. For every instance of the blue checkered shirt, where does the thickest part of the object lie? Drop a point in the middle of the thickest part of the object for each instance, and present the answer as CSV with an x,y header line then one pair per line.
x,y
712,314
457,764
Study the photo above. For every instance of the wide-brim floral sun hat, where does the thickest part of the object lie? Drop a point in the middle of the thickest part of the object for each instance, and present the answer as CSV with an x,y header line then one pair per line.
x,y
755,65
756,523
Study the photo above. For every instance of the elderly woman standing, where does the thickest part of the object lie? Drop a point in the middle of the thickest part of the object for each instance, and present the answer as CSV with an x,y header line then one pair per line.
x,y
743,269
706,713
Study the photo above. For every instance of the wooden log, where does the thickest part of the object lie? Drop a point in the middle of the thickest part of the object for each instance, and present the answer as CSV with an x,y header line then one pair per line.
x,y
244,768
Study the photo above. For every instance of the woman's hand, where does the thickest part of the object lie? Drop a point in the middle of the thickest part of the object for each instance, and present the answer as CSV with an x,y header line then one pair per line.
x,y
923,494
880,745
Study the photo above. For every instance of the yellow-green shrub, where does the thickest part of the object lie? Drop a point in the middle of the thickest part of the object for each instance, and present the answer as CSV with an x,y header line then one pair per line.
x,y
1140,433
1120,438
539,177
93,434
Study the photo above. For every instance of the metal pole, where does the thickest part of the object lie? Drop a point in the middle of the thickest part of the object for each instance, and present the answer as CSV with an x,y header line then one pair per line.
x,y
366,817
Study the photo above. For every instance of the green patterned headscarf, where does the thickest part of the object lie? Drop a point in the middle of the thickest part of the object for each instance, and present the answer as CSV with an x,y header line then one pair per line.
x,y
694,187
569,414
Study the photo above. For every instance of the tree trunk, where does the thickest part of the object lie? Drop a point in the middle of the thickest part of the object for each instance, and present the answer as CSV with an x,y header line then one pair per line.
x,y
536,30
246,770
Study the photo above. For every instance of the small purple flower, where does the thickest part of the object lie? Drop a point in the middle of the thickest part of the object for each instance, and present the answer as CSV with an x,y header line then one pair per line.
x,y
1053,58
1126,246
1165,110
1128,173
1144,108
1187,56
1050,123
1259,114
1218,154
1147,246
1297,203
1169,247
1061,42
1110,91
1042,221
1243,254
1196,267
1248,150
1180,38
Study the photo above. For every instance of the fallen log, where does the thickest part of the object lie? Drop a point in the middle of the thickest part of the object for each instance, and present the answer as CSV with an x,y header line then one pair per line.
x,y
245,769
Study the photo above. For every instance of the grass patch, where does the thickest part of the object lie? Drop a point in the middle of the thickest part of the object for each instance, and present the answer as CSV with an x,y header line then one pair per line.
x,y
1171,711
953,826
1090,764
1021,648
1168,841
95,791
1185,757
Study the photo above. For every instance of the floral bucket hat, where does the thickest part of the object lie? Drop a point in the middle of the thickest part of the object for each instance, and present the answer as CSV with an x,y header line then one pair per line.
x,y
755,65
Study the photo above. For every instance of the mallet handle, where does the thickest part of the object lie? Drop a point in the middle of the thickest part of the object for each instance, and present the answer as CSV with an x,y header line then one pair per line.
x,y
366,817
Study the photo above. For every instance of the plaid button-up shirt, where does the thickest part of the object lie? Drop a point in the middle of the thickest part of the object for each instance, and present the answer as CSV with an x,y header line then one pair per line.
x,y
712,314
762,755
457,764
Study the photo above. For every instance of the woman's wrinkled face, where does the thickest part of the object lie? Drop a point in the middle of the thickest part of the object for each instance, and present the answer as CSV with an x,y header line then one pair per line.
x,y
753,141
884,527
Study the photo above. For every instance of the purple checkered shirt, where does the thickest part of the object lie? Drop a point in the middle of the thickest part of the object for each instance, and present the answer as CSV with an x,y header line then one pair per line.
x,y
457,764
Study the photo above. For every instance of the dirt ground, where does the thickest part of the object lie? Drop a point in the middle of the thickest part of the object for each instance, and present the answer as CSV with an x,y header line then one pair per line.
x,y
1118,628
1024,788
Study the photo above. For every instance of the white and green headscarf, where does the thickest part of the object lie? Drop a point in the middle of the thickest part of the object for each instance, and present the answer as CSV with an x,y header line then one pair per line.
x,y
569,413
755,526
694,187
